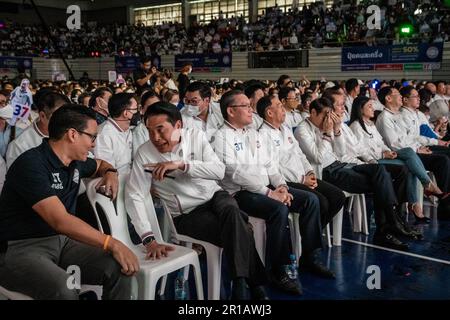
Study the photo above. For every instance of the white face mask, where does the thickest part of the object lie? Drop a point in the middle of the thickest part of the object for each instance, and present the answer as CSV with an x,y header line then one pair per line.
x,y
192,110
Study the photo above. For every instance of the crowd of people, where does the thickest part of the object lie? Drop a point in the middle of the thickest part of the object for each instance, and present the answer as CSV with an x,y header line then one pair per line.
x,y
309,26
215,154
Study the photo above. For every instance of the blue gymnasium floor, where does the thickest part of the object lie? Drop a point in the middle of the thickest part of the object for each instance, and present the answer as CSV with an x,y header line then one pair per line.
x,y
422,273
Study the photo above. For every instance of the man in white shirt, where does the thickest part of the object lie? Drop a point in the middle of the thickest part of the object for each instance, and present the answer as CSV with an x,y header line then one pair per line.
x,y
140,132
182,169
33,135
397,135
320,138
114,140
352,88
292,163
199,111
253,178
290,104
255,92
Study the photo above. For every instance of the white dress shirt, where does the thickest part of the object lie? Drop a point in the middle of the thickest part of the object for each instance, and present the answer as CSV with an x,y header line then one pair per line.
x,y
412,121
191,188
293,119
114,146
320,150
249,163
213,122
31,137
371,140
395,132
355,151
140,136
292,162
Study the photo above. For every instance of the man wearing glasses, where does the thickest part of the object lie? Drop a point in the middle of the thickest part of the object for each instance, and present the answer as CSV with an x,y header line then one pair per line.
x,y
398,134
199,111
290,103
115,143
40,238
254,180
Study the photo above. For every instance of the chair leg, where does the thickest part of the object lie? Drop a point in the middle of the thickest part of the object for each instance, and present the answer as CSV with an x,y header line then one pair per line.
x,y
328,235
163,285
337,228
214,264
198,280
363,209
356,212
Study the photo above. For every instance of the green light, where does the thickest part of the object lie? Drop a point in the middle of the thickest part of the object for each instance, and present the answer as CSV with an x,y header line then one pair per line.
x,y
406,30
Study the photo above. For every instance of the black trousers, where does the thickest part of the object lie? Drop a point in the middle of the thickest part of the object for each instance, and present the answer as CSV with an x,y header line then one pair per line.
x,y
439,164
331,199
221,222
276,215
368,178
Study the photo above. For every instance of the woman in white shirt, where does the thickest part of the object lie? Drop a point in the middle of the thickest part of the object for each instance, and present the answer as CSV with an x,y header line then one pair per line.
x,y
367,133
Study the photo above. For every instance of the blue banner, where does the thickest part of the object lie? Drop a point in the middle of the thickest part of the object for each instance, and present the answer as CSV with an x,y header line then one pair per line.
x,y
16,62
205,62
125,65
367,58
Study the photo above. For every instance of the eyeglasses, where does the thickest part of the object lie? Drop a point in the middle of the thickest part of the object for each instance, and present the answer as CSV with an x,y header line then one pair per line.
x,y
90,135
132,109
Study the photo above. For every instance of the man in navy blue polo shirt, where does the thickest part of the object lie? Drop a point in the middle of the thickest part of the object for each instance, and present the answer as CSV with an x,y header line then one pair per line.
x,y
40,237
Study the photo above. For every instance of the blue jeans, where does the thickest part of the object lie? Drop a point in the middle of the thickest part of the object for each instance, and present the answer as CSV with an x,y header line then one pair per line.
x,y
417,171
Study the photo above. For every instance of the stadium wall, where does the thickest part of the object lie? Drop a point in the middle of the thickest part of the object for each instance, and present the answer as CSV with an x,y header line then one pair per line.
x,y
322,63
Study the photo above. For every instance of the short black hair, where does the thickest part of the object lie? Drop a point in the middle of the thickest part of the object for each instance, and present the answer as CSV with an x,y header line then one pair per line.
x,y
385,91
49,100
351,84
146,59
406,91
281,79
320,104
263,104
284,92
69,116
201,87
163,108
147,95
227,100
99,92
118,103
250,90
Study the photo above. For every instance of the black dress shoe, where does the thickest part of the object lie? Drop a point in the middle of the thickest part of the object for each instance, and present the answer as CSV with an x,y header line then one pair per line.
x,y
318,268
286,284
422,220
259,293
401,228
389,241
240,290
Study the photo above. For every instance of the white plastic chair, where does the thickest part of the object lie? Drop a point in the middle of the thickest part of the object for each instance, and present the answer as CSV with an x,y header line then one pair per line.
x,y
150,270
213,255
357,209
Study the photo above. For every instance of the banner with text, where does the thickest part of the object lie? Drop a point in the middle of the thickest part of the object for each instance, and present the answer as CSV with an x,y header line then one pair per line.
x,y
205,62
398,57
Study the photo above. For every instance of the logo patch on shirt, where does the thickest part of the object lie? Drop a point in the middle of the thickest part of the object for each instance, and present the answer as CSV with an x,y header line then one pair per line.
x,y
57,184
76,176
258,144
290,140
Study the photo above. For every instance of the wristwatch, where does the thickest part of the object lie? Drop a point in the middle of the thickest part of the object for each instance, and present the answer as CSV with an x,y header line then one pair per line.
x,y
148,240
111,170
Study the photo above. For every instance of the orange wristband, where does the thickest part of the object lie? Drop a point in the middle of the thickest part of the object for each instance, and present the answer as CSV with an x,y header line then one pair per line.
x,y
105,244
